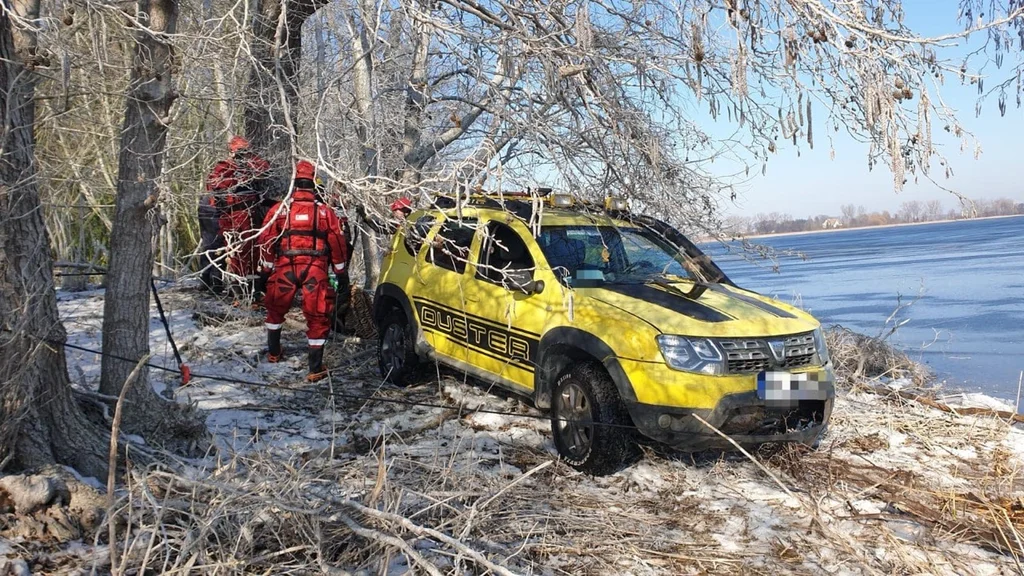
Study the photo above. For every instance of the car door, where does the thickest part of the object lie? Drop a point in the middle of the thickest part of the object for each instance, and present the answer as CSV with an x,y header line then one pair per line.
x,y
439,287
505,316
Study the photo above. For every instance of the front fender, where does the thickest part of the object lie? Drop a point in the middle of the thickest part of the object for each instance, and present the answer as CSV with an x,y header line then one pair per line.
x,y
574,344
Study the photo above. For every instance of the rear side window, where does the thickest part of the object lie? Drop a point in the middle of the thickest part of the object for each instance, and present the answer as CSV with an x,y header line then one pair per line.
x,y
417,233
451,244
504,258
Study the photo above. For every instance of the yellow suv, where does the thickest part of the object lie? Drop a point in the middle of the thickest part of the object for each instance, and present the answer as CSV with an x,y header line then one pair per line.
x,y
614,322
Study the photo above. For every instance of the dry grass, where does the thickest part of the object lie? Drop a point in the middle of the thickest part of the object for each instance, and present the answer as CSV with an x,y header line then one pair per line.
x,y
896,487
857,358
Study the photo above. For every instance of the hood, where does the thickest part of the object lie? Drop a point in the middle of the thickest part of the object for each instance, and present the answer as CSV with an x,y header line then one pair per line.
x,y
714,310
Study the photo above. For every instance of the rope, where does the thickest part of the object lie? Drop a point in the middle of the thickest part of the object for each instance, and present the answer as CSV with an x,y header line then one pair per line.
x,y
333,394
186,372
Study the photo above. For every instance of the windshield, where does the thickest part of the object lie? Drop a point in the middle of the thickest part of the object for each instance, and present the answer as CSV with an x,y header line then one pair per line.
x,y
592,255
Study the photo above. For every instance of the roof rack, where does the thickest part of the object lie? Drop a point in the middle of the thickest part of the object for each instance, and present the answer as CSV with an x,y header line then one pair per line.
x,y
522,203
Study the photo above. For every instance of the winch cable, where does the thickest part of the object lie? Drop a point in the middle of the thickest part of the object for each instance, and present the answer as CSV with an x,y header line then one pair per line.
x,y
186,372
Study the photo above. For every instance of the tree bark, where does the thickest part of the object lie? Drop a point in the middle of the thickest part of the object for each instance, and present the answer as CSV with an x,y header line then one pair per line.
x,y
414,98
362,73
126,315
40,423
272,97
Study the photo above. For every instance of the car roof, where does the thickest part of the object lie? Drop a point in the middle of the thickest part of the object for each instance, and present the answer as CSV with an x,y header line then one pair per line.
x,y
550,216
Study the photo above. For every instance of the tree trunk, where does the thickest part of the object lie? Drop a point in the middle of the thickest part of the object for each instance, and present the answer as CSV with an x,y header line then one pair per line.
x,y
415,94
78,283
40,423
272,97
126,316
362,71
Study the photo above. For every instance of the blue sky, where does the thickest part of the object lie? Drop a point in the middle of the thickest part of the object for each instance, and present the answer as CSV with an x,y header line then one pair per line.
x,y
814,184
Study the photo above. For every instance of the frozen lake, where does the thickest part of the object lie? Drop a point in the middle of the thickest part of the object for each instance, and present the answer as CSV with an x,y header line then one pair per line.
x,y
965,280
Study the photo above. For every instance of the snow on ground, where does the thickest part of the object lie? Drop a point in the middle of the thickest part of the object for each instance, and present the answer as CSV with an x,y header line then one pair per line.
x,y
883,493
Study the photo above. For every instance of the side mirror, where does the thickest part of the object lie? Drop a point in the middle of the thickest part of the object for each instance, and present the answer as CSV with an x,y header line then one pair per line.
x,y
532,287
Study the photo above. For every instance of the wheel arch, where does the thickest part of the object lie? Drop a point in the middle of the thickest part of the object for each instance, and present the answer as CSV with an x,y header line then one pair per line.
x,y
563,346
389,296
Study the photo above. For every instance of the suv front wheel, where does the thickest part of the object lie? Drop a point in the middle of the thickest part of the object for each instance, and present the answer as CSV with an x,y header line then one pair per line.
x,y
396,349
590,425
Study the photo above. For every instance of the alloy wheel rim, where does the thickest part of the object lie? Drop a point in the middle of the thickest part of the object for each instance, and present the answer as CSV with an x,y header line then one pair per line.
x,y
393,345
575,422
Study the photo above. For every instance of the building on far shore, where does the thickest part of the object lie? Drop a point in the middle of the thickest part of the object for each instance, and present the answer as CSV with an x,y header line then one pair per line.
x,y
831,223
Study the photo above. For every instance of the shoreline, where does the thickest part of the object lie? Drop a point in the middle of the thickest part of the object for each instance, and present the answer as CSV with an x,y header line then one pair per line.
x,y
899,225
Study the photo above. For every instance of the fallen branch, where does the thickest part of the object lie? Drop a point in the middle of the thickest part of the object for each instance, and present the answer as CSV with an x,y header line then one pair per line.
x,y
749,456
932,403
422,531
115,429
395,541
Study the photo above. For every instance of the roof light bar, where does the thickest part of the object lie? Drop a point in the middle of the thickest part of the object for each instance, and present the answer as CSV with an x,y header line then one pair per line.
x,y
561,200
616,203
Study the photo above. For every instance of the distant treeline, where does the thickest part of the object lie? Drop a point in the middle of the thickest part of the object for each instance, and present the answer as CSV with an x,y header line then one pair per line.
x,y
858,217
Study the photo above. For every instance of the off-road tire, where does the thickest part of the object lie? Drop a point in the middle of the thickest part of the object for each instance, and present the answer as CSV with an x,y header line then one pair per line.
x,y
612,440
391,351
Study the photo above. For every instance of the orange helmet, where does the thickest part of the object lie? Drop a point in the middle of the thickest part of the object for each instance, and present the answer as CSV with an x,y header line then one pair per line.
x,y
238,143
304,170
402,204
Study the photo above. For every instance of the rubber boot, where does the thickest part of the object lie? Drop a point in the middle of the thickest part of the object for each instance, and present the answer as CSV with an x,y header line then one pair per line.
x,y
316,364
273,346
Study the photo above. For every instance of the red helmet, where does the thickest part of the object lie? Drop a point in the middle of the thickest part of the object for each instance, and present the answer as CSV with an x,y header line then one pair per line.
x,y
402,204
238,143
304,170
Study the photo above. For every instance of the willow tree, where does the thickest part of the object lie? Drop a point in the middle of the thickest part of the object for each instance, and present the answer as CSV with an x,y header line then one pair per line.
x,y
611,96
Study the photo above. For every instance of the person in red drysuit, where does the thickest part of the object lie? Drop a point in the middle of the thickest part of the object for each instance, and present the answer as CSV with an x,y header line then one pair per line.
x,y
235,188
301,246
400,210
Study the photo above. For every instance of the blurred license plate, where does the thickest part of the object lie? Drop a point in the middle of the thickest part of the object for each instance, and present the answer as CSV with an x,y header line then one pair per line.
x,y
785,389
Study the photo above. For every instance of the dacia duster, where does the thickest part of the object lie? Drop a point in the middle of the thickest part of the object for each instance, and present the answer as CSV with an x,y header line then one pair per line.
x,y
612,321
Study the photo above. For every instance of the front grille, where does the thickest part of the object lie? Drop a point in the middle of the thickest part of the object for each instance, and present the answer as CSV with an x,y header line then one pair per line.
x,y
748,366
752,355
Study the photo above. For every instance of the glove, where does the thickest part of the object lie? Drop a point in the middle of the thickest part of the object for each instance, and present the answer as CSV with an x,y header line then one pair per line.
x,y
260,287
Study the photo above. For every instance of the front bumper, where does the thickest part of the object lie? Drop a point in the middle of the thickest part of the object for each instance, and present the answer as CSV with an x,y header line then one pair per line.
x,y
730,404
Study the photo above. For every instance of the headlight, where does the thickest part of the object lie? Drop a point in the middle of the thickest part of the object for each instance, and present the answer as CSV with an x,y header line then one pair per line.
x,y
820,347
698,355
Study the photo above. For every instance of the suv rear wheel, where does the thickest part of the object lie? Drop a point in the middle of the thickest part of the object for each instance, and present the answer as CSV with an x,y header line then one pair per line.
x,y
396,351
590,425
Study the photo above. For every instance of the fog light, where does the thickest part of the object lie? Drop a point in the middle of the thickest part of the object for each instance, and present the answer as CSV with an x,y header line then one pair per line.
x,y
664,420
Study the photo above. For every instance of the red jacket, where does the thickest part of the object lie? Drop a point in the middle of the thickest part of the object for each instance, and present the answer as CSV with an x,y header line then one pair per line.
x,y
304,232
231,182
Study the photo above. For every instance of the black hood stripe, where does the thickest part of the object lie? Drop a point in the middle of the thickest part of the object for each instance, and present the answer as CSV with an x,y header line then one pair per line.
x,y
670,301
779,312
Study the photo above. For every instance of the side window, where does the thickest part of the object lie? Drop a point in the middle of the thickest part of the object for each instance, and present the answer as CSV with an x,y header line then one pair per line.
x,y
417,233
504,257
450,248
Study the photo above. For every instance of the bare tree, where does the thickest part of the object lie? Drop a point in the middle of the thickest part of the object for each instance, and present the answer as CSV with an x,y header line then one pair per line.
x,y
910,211
932,210
40,422
849,212
272,101
148,100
